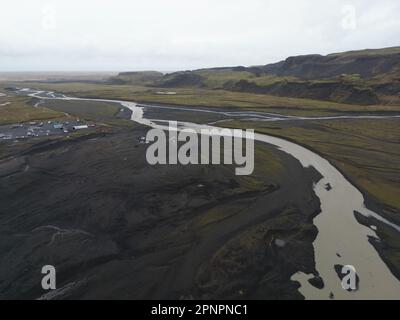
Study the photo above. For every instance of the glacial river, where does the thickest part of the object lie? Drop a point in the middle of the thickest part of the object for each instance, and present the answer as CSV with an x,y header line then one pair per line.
x,y
341,240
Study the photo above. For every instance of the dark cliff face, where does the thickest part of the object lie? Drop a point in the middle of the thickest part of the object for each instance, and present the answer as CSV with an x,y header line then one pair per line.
x,y
331,91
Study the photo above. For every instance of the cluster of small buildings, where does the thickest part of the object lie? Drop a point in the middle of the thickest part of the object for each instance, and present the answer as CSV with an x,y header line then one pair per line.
x,y
68,126
39,129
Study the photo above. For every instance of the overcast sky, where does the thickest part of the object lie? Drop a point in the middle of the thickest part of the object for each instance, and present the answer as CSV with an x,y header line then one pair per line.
x,y
49,35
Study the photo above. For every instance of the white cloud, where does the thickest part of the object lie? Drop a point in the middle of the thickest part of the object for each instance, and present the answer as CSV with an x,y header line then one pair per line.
x,y
185,34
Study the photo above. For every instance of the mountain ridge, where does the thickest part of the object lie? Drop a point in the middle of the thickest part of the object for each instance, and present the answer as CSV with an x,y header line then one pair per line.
x,y
370,76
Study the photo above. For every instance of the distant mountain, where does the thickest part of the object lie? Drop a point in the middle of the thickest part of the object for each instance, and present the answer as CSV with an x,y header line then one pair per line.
x,y
358,77
136,77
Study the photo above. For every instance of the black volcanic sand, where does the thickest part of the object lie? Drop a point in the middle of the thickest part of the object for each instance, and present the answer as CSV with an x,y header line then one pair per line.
x,y
116,227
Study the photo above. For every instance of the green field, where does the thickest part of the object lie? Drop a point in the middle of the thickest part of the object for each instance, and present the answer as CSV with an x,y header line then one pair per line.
x,y
20,110
17,109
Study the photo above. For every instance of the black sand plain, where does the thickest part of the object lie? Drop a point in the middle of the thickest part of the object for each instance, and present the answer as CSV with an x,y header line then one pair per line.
x,y
117,228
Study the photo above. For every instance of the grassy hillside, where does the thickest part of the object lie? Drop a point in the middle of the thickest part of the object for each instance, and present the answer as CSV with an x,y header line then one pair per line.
x,y
367,52
366,63
142,77
365,77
